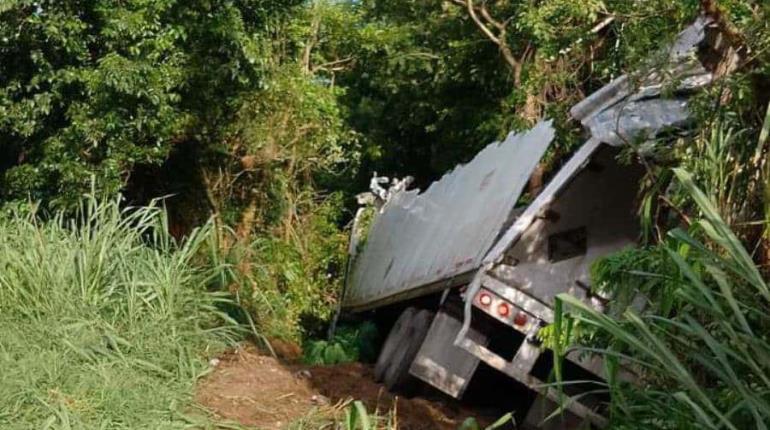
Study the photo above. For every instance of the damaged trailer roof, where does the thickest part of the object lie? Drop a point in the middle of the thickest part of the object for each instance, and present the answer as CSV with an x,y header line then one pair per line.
x,y
421,242
444,232
633,107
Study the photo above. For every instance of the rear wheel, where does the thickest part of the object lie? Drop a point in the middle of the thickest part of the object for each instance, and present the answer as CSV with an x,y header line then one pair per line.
x,y
389,348
397,376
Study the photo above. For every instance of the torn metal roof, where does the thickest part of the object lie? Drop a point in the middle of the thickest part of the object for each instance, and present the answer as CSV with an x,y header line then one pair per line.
x,y
422,238
636,107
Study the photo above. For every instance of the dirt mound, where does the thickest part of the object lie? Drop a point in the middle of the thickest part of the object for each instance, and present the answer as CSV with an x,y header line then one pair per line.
x,y
255,390
259,391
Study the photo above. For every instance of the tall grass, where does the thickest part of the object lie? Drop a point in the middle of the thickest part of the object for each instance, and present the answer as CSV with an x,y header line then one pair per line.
x,y
706,363
105,321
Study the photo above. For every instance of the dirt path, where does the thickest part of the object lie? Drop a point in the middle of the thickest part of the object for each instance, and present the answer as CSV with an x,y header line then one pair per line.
x,y
258,391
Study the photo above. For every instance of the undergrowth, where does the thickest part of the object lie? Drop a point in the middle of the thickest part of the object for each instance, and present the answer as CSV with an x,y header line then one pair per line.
x,y
349,344
353,415
289,282
105,321
348,415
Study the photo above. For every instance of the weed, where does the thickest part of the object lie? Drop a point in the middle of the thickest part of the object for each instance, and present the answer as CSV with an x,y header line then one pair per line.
x,y
348,415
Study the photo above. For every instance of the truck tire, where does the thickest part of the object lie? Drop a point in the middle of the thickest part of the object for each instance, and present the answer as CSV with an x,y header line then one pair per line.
x,y
397,377
395,336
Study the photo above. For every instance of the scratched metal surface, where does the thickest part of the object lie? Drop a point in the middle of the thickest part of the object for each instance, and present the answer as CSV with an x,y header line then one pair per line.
x,y
422,238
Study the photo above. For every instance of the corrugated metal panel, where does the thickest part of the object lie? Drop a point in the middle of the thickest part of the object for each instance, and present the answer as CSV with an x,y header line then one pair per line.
x,y
420,239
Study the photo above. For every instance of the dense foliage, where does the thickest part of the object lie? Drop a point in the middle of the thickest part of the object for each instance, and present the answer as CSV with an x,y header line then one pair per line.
x,y
89,89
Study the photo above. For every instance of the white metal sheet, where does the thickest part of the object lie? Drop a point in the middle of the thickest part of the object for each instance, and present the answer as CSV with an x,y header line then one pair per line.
x,y
422,238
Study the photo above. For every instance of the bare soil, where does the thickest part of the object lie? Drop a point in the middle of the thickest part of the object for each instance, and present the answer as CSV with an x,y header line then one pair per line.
x,y
256,390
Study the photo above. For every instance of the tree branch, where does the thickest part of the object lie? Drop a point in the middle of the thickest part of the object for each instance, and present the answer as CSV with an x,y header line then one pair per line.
x,y
472,12
335,65
485,13
483,20
311,42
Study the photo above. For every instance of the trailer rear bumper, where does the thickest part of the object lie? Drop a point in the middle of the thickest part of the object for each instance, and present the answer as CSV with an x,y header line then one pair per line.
x,y
520,367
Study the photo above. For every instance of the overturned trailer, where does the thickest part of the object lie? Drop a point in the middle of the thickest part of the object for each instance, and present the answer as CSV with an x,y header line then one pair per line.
x,y
497,268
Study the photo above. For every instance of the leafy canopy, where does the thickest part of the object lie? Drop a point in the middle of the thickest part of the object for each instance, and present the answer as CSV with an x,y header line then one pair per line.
x,y
88,89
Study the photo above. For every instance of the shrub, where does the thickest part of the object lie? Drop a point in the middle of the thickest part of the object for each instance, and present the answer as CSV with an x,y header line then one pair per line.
x,y
350,343
290,283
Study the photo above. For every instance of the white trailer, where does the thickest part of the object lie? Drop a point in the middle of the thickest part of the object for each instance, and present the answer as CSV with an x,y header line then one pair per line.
x,y
496,267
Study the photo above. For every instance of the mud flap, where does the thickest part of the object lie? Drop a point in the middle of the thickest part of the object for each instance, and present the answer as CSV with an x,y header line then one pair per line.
x,y
441,364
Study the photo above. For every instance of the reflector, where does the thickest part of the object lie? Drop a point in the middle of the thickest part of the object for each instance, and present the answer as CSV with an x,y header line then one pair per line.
x,y
520,318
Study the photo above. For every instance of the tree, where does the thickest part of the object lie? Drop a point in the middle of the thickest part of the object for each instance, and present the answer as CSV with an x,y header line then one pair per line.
x,y
91,88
